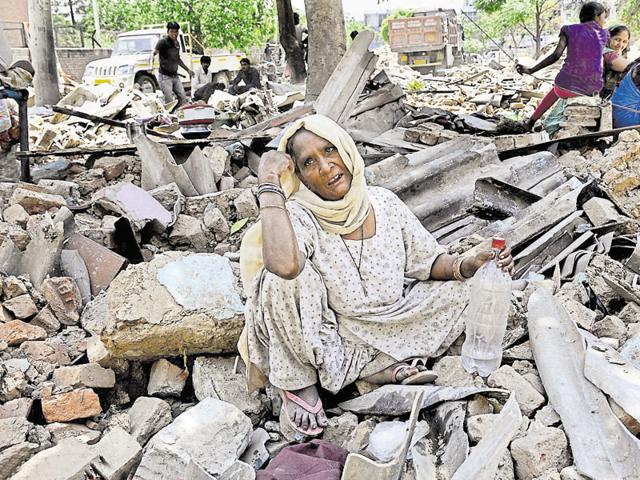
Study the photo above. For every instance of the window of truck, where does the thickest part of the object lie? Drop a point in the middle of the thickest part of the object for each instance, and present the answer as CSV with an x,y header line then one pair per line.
x,y
134,45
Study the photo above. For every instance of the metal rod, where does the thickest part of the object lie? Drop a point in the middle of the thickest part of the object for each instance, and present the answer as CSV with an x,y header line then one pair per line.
x,y
23,120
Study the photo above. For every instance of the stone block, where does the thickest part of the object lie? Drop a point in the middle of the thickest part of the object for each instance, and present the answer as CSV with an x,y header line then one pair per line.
x,y
600,211
584,317
215,377
47,320
479,405
22,307
60,187
256,453
13,457
13,430
541,449
54,353
36,202
119,454
20,407
148,416
340,429
612,327
246,205
188,231
17,332
88,375
528,397
16,214
227,183
166,379
69,406
13,287
219,160
64,298
215,221
547,416
47,464
82,433
112,167
213,434
571,473
451,373
630,313
176,304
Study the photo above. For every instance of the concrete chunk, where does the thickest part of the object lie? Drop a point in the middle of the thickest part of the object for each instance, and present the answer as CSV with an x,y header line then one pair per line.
x,y
541,449
13,430
528,398
22,307
13,457
47,320
35,202
147,417
176,304
17,332
119,453
71,406
48,465
213,434
166,379
600,211
90,375
64,298
20,407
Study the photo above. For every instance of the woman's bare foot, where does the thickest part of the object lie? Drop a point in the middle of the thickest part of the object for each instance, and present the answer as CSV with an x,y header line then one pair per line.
x,y
300,416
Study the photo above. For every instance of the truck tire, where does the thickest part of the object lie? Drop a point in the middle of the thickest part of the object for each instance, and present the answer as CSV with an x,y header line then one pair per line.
x,y
147,82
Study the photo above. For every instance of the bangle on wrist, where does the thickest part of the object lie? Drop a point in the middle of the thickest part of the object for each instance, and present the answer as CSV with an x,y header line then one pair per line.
x,y
457,269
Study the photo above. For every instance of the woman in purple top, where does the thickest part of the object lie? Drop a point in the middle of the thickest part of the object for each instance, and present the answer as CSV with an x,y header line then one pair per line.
x,y
582,72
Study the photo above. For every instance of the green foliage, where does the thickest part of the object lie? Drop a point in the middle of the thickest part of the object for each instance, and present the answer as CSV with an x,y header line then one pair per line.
x,y
384,29
232,24
415,85
352,24
629,15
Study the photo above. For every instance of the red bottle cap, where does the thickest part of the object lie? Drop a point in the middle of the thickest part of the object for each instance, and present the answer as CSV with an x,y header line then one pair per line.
x,y
498,243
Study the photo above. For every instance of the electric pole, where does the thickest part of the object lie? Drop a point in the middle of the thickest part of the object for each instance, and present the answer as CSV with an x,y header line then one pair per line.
x,y
43,53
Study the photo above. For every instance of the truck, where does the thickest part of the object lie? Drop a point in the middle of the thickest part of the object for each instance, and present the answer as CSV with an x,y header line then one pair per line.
x,y
130,62
427,40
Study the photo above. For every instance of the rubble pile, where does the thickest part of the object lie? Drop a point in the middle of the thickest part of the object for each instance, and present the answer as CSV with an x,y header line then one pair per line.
x,y
121,304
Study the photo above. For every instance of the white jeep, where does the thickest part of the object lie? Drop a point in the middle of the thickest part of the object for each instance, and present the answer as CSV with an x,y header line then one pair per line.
x,y
130,61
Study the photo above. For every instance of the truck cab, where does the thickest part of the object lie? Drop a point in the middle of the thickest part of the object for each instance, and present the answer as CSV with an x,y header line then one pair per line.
x,y
130,62
427,40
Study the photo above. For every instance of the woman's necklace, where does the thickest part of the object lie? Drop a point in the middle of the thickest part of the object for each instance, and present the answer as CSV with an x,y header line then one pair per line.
x,y
357,265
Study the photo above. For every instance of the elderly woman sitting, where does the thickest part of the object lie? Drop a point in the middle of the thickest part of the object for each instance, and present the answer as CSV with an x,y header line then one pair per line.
x,y
331,304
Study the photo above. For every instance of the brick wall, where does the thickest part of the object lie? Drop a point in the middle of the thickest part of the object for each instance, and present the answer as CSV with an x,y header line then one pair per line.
x,y
14,10
73,60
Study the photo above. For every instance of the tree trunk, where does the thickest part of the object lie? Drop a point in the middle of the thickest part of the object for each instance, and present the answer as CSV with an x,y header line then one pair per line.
x,y
325,20
292,48
538,29
43,53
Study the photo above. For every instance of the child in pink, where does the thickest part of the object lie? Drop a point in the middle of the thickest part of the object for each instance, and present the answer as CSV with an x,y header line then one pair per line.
x,y
582,71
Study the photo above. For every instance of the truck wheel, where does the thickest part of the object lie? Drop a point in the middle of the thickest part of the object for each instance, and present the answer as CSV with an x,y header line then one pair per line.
x,y
147,83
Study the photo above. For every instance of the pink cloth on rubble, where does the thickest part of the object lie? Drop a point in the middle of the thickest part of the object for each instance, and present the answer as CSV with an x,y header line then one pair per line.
x,y
315,460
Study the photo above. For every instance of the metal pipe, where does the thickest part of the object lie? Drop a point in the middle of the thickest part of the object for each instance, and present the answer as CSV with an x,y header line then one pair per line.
x,y
23,120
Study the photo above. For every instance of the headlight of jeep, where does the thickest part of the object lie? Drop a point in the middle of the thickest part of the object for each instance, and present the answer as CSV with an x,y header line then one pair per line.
x,y
125,70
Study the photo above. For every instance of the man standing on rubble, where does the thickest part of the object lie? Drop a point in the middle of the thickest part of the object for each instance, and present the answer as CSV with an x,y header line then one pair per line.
x,y
168,49
247,79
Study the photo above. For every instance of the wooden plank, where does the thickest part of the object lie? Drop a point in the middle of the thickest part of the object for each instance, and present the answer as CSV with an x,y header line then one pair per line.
x,y
346,79
543,145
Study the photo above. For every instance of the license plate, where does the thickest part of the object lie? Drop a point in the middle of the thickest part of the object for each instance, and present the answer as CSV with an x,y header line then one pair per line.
x,y
98,81
419,61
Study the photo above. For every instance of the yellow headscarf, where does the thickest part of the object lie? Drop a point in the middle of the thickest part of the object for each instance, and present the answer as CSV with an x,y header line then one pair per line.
x,y
340,216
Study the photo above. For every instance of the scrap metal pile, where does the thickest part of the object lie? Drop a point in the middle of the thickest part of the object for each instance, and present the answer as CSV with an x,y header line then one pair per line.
x,y
121,301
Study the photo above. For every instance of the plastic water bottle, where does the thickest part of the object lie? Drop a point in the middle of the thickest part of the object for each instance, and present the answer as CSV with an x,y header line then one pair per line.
x,y
486,317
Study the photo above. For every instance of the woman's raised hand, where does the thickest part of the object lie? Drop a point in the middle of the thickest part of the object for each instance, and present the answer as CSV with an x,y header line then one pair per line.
x,y
272,165
521,69
485,253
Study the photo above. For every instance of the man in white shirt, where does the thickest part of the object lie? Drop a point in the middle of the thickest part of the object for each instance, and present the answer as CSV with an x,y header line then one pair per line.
x,y
202,85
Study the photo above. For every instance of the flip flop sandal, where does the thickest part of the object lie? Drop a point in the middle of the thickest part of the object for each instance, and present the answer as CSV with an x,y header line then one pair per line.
x,y
286,420
420,378
418,362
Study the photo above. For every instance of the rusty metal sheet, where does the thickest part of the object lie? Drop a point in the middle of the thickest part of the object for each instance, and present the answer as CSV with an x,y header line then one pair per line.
x,y
102,264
